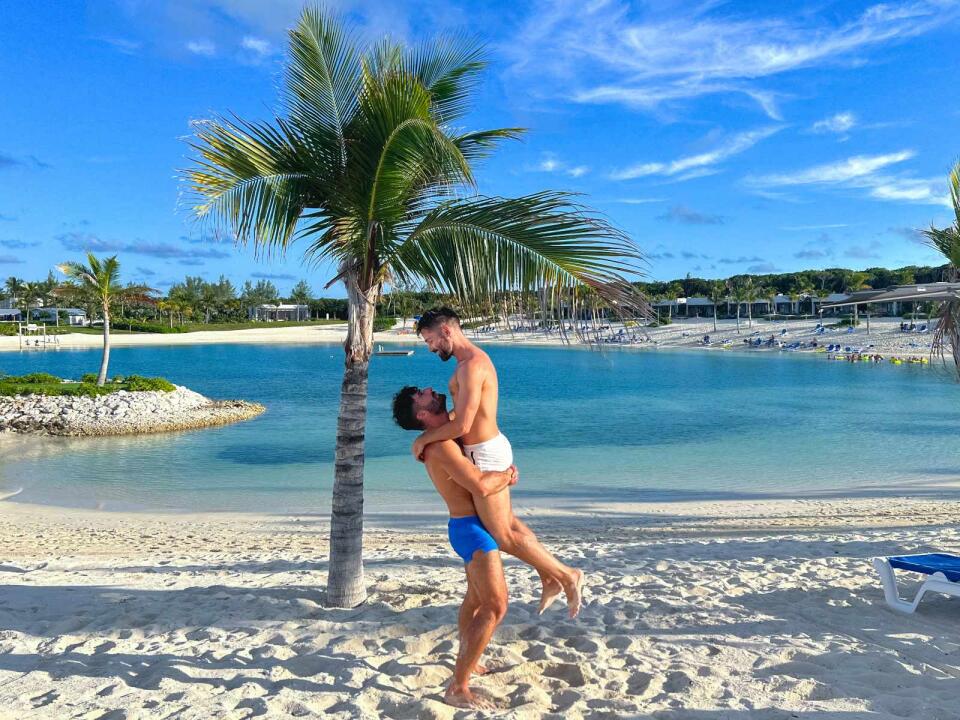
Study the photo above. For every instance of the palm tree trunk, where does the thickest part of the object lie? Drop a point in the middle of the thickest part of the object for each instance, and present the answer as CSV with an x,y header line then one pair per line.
x,y
345,583
714,317
102,377
738,318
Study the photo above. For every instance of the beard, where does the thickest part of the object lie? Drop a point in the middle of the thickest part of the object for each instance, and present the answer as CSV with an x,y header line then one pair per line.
x,y
438,404
444,355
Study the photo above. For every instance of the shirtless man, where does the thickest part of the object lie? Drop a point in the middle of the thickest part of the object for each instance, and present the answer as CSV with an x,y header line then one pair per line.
x,y
459,481
473,423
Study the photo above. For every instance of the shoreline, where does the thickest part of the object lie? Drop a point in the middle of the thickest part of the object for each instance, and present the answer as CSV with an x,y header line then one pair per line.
x,y
760,609
884,339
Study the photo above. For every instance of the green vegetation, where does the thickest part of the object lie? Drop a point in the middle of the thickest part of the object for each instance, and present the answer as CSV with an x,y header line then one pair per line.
x,y
46,384
383,322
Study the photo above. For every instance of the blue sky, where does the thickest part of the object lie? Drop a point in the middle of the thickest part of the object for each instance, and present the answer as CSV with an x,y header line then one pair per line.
x,y
724,137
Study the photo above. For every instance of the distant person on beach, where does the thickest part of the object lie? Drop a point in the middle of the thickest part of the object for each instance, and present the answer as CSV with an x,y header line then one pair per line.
x,y
459,481
473,423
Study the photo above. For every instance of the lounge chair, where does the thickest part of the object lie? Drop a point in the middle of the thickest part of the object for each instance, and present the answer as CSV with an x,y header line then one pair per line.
x,y
943,569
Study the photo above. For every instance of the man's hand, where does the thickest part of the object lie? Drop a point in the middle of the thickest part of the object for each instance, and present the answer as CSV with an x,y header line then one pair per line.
x,y
514,474
418,447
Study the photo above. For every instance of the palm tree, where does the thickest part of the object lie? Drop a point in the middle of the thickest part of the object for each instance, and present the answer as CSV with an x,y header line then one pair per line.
x,y
718,291
99,280
367,167
854,280
804,286
739,293
750,294
947,241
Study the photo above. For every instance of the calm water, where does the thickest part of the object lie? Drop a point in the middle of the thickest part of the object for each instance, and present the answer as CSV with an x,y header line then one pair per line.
x,y
585,426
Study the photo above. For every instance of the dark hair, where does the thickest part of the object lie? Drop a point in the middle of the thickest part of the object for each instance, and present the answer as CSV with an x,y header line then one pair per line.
x,y
437,316
403,409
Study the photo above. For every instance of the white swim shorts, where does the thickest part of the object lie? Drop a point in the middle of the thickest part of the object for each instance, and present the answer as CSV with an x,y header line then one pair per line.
x,y
494,454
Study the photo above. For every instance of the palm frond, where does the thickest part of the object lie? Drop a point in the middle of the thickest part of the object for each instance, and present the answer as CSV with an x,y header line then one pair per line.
x,y
480,143
253,176
450,70
323,80
480,246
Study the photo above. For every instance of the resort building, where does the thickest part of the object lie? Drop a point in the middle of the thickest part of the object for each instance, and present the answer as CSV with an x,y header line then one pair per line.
x,y
272,313
75,317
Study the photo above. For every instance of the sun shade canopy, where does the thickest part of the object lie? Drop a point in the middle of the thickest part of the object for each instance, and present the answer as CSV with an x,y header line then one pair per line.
x,y
929,292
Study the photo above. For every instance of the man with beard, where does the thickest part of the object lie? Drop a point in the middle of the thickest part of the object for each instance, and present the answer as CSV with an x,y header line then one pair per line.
x,y
473,424
459,481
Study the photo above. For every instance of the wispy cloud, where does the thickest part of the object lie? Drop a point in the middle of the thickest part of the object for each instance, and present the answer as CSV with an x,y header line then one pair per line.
x,y
828,226
646,55
274,276
88,242
202,47
863,171
11,161
694,165
683,214
10,260
127,47
551,163
258,46
841,171
742,260
18,244
864,252
640,200
146,272
838,124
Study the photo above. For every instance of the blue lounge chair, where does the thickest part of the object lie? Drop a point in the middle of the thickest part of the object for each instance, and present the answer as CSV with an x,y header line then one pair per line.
x,y
943,569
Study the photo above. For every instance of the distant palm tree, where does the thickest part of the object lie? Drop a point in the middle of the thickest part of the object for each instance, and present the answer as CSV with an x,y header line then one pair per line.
x,y
368,167
854,280
99,281
718,291
739,293
750,294
805,287
947,241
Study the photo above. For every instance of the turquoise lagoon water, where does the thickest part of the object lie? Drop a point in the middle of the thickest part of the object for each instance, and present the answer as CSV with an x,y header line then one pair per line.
x,y
586,427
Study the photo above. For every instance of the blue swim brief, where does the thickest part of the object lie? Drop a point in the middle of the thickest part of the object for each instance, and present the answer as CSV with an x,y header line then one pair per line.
x,y
467,535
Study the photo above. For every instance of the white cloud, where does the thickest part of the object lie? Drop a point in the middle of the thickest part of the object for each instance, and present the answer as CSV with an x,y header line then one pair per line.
x,y
202,47
862,171
550,163
647,55
640,201
256,45
852,168
701,164
838,124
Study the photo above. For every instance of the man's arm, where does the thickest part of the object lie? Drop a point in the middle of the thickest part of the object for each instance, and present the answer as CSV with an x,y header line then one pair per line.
x,y
467,475
466,405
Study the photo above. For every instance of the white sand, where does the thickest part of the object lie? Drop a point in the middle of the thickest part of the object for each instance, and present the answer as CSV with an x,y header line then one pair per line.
x,y
884,337
712,611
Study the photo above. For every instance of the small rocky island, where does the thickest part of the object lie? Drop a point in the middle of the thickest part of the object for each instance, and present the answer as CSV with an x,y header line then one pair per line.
x,y
56,407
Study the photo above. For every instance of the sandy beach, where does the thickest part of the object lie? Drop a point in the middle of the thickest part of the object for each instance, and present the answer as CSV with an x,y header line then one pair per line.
x,y
695,611
883,338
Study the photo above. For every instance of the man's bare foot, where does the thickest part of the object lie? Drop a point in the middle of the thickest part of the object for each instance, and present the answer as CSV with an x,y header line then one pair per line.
x,y
574,593
551,591
480,669
463,697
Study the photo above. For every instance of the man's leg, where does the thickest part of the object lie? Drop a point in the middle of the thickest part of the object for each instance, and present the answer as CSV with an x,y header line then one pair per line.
x,y
515,538
485,581
467,610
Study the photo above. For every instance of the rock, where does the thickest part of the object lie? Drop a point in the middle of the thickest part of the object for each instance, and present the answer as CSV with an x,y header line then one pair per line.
x,y
121,413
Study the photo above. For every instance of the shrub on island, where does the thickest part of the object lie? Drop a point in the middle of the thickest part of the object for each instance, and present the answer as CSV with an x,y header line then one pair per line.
x,y
146,327
47,384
